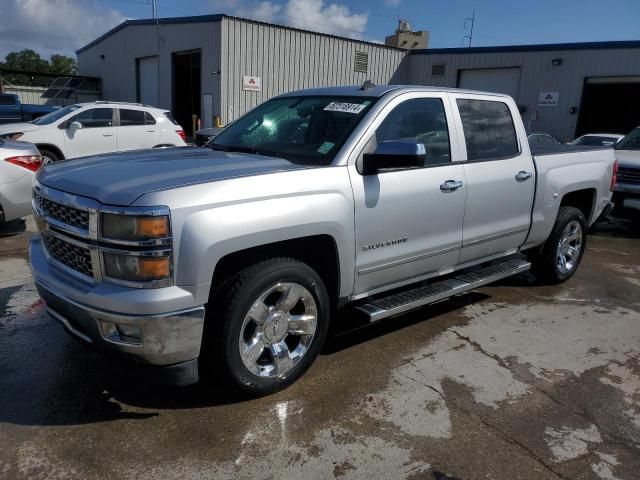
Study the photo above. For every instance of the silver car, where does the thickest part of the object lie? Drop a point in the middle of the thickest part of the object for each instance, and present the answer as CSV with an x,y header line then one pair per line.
x,y
19,161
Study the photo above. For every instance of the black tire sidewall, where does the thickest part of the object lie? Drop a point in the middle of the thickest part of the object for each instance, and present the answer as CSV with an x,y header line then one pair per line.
x,y
253,282
549,267
48,153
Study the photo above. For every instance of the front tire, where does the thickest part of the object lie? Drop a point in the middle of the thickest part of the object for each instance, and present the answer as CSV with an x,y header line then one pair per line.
x,y
562,253
266,326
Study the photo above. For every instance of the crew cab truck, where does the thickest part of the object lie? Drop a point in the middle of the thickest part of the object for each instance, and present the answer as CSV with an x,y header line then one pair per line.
x,y
229,262
12,110
627,189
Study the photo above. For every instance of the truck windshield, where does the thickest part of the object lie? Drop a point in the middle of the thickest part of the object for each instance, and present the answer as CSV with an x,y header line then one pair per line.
x,y
305,129
631,141
49,118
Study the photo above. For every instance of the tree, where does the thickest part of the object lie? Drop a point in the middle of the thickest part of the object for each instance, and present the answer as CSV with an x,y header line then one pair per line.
x,y
31,61
26,60
63,65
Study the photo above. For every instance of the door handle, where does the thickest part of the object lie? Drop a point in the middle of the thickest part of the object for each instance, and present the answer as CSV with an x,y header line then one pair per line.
x,y
150,131
522,176
107,134
451,185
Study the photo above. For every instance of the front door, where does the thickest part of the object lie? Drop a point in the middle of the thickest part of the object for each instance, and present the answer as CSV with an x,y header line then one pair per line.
x,y
407,224
97,134
500,178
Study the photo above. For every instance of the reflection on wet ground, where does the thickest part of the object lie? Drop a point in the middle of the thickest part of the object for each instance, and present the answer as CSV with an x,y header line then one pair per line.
x,y
515,380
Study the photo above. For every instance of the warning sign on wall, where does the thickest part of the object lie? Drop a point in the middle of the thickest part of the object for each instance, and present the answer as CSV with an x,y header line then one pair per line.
x,y
252,84
548,99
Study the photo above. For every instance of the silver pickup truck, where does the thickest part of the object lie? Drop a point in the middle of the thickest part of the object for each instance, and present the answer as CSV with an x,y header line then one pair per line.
x,y
229,262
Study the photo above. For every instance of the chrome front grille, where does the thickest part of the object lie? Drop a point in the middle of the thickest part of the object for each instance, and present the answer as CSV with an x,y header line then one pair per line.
x,y
62,213
73,256
629,175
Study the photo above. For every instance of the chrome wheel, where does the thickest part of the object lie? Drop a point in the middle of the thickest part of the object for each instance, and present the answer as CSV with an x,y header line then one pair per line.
x,y
569,247
278,329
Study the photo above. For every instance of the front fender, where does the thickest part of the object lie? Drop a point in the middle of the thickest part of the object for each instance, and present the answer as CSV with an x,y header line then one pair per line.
x,y
210,221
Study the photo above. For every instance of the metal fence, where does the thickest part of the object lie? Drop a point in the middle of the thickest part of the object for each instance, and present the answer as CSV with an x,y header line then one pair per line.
x,y
49,89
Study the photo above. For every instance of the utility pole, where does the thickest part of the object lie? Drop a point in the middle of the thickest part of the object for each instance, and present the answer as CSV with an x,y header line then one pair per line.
x,y
468,20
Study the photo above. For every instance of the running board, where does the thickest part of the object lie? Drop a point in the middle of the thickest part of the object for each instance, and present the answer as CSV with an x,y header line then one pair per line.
x,y
400,302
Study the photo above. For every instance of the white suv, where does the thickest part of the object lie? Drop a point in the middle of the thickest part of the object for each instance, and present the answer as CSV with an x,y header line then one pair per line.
x,y
97,127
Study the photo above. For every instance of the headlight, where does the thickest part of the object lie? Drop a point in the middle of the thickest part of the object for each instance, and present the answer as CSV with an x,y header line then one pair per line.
x,y
133,268
130,227
11,136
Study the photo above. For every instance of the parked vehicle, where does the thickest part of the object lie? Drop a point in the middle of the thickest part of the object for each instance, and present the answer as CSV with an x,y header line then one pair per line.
x,y
541,138
232,260
204,135
97,127
18,163
12,110
627,188
598,139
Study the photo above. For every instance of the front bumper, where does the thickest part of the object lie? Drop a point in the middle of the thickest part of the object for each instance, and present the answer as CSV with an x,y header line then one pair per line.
x,y
166,338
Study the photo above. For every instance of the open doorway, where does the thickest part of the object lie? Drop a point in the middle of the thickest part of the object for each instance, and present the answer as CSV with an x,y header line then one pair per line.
x,y
609,105
186,88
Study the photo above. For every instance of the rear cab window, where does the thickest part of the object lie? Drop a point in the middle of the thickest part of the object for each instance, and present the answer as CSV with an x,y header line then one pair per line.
x,y
8,100
489,131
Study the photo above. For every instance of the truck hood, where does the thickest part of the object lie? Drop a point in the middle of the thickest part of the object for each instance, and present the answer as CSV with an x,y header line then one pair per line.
x,y
18,127
119,179
628,158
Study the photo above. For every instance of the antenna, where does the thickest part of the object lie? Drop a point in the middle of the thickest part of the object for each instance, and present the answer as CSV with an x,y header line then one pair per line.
x,y
470,20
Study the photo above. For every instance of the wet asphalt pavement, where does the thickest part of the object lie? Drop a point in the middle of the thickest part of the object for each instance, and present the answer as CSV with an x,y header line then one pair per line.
x,y
512,381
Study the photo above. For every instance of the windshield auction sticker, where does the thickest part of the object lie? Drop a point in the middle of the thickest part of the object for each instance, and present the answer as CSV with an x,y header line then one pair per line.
x,y
354,108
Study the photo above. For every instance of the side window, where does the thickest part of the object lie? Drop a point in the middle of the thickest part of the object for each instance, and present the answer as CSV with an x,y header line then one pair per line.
x,y
534,139
421,120
130,118
94,118
148,119
488,129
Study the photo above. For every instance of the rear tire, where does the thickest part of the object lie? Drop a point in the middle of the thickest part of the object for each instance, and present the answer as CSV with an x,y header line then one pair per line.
x,y
562,253
48,156
265,326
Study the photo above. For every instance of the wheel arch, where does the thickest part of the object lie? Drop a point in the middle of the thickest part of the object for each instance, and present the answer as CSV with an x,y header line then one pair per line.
x,y
52,148
320,252
584,200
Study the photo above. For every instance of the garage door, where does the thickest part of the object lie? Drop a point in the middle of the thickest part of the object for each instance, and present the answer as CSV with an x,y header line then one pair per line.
x,y
148,81
498,80
609,104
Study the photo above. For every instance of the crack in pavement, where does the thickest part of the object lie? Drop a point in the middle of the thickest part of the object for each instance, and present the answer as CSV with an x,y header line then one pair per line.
x,y
502,435
612,437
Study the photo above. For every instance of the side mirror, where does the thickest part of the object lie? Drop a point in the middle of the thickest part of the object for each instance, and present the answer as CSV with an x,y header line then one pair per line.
x,y
394,155
73,126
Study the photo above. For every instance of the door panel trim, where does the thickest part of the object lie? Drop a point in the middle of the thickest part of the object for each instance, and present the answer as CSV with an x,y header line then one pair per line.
x,y
402,261
495,237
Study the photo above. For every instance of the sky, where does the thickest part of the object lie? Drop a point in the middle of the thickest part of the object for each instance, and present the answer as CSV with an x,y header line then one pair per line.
x,y
62,26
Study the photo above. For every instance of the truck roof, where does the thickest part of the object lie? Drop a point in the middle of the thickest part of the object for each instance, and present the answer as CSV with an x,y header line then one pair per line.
x,y
380,90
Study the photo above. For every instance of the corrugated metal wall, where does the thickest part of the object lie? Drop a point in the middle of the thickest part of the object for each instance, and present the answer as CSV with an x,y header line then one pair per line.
x,y
118,68
287,59
538,74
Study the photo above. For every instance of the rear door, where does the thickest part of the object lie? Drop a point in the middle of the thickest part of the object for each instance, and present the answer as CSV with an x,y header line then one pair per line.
x,y
500,177
408,221
136,129
96,136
